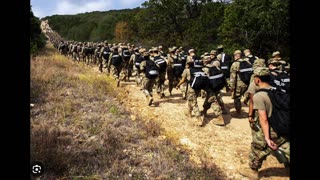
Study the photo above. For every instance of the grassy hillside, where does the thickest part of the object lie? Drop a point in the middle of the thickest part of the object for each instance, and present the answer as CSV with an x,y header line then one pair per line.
x,y
80,130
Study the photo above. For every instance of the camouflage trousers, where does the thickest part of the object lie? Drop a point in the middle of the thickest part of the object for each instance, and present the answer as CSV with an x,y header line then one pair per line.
x,y
212,101
138,75
192,101
104,65
239,92
260,149
160,82
148,85
116,71
125,71
173,81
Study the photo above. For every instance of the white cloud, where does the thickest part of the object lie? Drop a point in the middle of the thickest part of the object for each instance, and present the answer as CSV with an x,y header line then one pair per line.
x,y
38,12
82,6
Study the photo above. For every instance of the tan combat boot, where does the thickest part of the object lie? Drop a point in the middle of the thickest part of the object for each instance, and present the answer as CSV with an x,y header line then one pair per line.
x,y
219,121
249,173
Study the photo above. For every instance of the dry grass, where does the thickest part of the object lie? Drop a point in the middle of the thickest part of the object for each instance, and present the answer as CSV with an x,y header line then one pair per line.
x,y
80,129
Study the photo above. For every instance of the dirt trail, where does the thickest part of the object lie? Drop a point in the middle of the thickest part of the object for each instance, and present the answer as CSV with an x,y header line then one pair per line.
x,y
226,146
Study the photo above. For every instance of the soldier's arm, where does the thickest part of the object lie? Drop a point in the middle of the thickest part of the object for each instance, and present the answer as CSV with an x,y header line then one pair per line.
x,y
109,61
132,58
142,65
183,79
265,129
233,73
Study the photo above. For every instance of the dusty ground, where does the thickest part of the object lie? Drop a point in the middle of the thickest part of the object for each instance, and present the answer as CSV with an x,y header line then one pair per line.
x,y
227,146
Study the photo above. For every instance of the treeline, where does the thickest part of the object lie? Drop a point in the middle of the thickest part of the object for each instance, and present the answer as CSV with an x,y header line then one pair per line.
x,y
37,38
261,25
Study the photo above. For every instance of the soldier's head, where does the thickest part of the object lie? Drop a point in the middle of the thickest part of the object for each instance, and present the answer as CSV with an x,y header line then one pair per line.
x,y
261,76
106,42
191,52
276,54
146,55
220,48
206,59
155,51
246,52
237,54
160,48
273,64
213,54
171,51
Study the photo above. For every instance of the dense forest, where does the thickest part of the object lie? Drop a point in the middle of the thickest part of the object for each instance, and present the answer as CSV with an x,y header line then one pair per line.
x,y
261,25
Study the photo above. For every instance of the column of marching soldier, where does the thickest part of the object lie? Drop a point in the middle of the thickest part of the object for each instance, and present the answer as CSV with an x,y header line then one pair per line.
x,y
195,76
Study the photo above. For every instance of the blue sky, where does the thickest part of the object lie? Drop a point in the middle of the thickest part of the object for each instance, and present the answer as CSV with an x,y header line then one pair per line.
x,y
43,8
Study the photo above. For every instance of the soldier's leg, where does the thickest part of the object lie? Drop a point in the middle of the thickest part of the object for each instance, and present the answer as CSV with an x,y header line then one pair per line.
x,y
221,103
100,64
162,79
171,83
147,89
206,104
213,100
192,101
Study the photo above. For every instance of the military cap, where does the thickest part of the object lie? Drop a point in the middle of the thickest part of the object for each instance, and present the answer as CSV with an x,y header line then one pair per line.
x,y
181,47
206,58
275,53
135,49
206,54
160,47
191,50
128,44
273,61
171,50
174,47
213,52
237,52
220,46
261,71
105,41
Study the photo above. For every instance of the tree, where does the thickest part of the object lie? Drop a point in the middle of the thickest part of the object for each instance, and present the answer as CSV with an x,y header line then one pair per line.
x,y
259,25
37,38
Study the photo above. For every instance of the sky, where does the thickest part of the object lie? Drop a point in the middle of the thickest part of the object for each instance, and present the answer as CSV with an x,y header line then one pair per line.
x,y
43,8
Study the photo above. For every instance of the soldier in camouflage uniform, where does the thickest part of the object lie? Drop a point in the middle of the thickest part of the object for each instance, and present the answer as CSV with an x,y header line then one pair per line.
x,y
214,61
251,58
136,60
192,94
148,83
104,57
173,63
226,62
265,139
162,72
283,65
236,85
115,63
211,99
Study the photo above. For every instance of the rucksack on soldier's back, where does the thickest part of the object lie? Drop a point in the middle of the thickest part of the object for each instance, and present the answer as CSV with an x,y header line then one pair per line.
x,y
245,71
217,79
152,70
280,116
198,79
280,79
